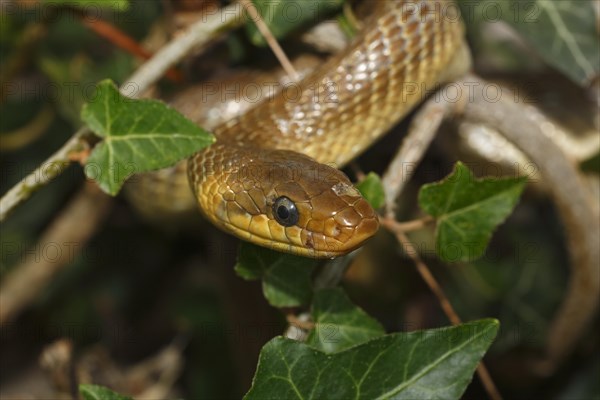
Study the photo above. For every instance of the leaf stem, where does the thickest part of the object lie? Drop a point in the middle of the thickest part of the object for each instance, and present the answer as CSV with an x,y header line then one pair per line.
x,y
437,290
124,41
43,174
298,322
271,40
146,75
408,226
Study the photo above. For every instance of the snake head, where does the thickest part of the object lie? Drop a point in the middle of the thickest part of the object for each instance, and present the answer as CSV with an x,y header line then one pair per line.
x,y
285,201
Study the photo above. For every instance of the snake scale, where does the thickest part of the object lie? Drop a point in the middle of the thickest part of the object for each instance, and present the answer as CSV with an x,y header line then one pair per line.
x,y
272,179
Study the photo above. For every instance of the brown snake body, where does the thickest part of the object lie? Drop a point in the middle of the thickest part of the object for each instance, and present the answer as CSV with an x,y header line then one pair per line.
x,y
264,180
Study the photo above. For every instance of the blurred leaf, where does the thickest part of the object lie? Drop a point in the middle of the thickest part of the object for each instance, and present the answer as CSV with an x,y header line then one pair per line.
x,y
347,24
119,5
287,283
592,164
563,32
468,210
286,277
437,363
584,385
74,79
95,392
372,190
252,262
9,29
339,324
520,279
139,136
285,16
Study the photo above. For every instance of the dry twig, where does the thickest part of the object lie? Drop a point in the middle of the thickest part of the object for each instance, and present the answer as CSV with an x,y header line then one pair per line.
x,y
437,290
198,34
421,133
575,205
273,43
21,286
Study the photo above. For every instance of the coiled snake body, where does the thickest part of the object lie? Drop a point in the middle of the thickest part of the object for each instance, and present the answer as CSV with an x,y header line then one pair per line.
x,y
265,180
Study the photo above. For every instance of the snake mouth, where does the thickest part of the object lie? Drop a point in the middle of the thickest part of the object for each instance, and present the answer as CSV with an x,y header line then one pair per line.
x,y
334,250
333,247
306,243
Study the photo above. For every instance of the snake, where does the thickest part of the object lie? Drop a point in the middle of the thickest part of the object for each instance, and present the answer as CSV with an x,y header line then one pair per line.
x,y
272,177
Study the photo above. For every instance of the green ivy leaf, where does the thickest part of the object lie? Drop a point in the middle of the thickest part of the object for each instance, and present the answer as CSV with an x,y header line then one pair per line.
x,y
95,392
118,5
285,16
372,190
563,33
339,323
437,363
285,277
139,136
84,72
468,210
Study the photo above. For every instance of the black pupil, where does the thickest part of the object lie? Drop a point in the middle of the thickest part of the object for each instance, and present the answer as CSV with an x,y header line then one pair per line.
x,y
283,212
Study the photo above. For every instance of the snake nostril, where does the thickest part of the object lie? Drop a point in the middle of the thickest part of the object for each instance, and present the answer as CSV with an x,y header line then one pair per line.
x,y
309,243
332,228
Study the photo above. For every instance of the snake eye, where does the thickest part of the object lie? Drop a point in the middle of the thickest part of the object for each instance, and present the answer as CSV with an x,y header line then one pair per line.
x,y
285,211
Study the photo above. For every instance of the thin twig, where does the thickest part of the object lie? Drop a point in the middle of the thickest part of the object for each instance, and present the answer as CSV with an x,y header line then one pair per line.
x,y
125,42
330,276
295,321
437,290
275,47
421,133
427,276
358,172
575,205
199,33
423,129
42,175
407,226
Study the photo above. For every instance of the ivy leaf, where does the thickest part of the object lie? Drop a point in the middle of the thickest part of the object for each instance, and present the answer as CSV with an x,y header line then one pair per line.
x,y
95,392
437,363
339,324
285,277
285,16
372,190
563,33
139,136
85,73
468,210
